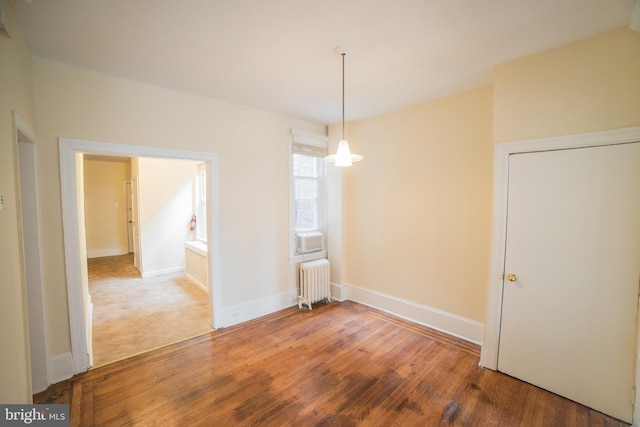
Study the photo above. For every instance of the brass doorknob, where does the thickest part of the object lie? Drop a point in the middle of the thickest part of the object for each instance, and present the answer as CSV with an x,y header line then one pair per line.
x,y
512,277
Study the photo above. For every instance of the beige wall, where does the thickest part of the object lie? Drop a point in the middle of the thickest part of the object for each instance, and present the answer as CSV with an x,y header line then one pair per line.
x,y
586,86
417,209
105,205
16,95
253,159
420,203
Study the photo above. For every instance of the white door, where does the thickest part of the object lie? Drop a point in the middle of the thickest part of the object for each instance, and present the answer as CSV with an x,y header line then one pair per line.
x,y
573,243
129,217
135,204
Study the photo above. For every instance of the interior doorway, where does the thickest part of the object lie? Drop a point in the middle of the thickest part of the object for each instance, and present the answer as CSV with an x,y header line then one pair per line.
x,y
71,153
30,219
136,310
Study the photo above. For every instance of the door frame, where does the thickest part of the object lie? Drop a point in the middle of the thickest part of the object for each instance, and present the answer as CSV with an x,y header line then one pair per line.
x,y
502,151
26,151
71,151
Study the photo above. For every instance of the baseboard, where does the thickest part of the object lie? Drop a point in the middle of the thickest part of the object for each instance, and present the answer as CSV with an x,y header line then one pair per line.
x,y
157,273
451,324
41,382
259,307
61,367
197,282
99,253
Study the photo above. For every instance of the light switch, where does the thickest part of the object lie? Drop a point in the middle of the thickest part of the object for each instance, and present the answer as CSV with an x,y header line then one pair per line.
x,y
1,202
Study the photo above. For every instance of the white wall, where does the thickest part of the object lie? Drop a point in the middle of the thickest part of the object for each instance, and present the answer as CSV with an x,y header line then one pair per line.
x,y
252,149
166,206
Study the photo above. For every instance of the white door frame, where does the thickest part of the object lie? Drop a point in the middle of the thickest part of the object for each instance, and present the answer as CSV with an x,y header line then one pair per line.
x,y
27,152
489,352
74,239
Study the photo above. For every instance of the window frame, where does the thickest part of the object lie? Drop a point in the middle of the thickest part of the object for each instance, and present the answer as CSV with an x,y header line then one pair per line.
x,y
318,144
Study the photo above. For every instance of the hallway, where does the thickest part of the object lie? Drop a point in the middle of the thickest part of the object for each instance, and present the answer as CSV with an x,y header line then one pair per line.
x,y
132,315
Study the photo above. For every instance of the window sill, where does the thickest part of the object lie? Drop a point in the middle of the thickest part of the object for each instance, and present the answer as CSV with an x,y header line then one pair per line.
x,y
295,259
197,247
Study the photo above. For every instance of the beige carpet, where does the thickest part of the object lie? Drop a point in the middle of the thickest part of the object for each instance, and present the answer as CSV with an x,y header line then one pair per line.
x,y
132,314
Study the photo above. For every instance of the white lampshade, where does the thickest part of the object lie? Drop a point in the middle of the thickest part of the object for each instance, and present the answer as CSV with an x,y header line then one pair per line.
x,y
343,156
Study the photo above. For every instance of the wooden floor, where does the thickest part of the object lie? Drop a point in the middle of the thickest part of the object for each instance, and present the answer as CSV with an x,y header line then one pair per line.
x,y
341,364
132,314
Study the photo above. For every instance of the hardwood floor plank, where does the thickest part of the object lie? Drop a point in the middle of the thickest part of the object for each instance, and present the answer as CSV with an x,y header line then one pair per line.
x,y
342,364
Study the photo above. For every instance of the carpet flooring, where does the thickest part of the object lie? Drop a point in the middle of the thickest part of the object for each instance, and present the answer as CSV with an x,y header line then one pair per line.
x,y
133,315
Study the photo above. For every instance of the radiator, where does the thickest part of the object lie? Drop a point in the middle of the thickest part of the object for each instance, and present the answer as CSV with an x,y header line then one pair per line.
x,y
314,282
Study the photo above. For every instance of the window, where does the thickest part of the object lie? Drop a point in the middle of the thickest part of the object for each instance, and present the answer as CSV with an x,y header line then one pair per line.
x,y
200,202
308,192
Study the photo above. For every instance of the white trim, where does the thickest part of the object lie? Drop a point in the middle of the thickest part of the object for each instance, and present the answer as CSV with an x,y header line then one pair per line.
x,y
489,353
196,282
197,246
296,259
29,201
99,253
634,21
61,367
259,307
338,292
163,272
69,148
449,323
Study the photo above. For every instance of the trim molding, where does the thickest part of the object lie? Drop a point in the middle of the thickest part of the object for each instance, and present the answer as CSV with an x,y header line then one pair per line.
x,y
258,307
61,367
74,240
443,321
502,151
98,253
489,352
162,272
196,282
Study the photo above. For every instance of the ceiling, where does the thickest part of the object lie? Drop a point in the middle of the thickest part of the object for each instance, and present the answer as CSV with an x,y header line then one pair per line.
x,y
279,55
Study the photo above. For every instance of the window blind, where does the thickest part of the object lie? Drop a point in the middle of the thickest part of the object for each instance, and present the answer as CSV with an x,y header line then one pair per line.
x,y
308,144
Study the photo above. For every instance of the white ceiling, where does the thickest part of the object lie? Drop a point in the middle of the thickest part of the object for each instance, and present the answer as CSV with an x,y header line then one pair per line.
x,y
279,55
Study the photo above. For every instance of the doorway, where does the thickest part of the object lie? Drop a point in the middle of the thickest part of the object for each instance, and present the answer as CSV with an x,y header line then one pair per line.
x,y
71,153
30,219
135,309
499,276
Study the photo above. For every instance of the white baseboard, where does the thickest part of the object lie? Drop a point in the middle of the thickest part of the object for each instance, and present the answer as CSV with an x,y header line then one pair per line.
x,y
99,253
197,282
258,307
61,367
41,382
451,324
156,273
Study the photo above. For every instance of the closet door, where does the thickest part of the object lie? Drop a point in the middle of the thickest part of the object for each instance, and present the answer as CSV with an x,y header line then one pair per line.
x,y
572,271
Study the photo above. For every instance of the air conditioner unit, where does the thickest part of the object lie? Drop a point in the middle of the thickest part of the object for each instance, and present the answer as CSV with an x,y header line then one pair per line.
x,y
309,242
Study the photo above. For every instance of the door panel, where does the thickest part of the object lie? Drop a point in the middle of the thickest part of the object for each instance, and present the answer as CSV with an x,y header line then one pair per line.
x,y
135,227
573,241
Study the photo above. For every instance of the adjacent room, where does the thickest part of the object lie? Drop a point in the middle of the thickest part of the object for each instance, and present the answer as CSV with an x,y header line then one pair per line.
x,y
147,253
473,257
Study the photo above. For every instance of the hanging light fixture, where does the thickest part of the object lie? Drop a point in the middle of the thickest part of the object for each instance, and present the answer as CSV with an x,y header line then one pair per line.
x,y
343,156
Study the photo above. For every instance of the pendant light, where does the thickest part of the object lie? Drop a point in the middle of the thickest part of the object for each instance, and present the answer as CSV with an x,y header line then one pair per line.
x,y
343,156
